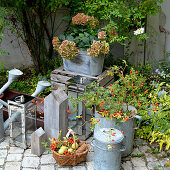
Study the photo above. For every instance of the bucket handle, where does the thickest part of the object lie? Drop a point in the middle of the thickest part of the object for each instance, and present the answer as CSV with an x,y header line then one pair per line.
x,y
123,145
121,150
140,120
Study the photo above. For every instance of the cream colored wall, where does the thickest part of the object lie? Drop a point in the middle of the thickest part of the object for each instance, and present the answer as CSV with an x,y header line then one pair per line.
x,y
19,55
158,29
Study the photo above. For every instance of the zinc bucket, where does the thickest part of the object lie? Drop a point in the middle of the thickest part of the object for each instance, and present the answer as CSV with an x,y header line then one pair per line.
x,y
106,158
1,123
127,127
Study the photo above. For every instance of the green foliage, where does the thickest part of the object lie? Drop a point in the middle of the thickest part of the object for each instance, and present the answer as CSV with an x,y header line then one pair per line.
x,y
26,83
111,102
82,37
163,69
145,70
156,117
3,24
124,15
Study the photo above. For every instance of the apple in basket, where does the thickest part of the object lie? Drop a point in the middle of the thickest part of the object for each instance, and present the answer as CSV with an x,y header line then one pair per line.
x,y
62,149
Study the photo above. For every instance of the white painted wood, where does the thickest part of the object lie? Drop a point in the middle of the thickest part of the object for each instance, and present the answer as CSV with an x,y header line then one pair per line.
x,y
55,115
37,138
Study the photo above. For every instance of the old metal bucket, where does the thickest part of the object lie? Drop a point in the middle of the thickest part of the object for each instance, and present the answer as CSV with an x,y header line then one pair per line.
x,y
1,123
106,158
85,64
127,127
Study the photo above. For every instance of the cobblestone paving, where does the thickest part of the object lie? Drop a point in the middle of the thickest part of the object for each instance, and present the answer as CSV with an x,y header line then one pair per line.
x,y
15,158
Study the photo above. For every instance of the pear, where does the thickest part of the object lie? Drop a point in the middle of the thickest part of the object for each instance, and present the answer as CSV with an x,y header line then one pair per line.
x,y
75,145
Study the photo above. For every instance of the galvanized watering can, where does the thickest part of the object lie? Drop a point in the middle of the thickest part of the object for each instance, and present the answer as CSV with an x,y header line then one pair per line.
x,y
1,123
107,158
128,128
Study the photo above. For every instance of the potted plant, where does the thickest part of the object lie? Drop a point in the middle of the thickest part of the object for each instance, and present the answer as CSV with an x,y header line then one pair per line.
x,y
115,104
82,46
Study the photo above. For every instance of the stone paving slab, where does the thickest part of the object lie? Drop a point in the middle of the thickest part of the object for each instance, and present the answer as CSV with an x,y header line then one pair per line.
x,y
29,154
15,158
2,161
47,167
30,162
47,159
3,153
15,150
12,165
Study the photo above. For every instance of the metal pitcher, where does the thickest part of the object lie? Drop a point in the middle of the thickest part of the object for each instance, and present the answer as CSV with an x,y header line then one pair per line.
x,y
127,127
107,158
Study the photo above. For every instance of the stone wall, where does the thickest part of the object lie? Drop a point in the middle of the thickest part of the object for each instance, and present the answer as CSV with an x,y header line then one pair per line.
x,y
19,55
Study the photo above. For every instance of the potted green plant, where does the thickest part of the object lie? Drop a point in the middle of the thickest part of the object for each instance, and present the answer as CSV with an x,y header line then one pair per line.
x,y
82,46
115,104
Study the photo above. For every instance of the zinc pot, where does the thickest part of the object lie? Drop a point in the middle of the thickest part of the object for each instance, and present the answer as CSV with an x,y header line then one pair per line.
x,y
85,64
127,127
107,158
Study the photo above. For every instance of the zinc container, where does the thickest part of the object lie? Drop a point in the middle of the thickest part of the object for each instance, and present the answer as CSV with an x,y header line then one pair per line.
x,y
106,158
127,127
1,124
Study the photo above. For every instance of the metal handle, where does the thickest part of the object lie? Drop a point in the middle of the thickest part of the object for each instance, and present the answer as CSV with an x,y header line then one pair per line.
x,y
123,145
92,142
121,150
140,120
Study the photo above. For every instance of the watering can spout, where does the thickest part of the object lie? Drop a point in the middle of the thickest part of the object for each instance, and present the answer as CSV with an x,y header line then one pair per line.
x,y
12,76
40,87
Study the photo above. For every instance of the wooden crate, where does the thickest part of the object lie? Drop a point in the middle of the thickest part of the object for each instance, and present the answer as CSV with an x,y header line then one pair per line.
x,y
59,78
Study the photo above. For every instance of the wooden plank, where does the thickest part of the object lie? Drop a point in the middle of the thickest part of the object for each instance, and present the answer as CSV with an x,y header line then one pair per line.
x,y
61,76
61,71
55,85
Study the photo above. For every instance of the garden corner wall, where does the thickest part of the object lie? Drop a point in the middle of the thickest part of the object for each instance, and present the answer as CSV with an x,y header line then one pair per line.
x,y
158,29
19,54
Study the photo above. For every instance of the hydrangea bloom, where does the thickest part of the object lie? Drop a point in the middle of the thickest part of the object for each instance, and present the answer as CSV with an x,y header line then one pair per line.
x,y
97,48
82,19
68,49
56,43
102,35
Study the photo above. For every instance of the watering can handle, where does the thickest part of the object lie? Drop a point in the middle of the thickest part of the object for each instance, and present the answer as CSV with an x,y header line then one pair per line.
x,y
140,120
121,150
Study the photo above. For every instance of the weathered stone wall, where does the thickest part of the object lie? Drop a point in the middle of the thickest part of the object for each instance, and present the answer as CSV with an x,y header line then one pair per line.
x,y
19,55
158,29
